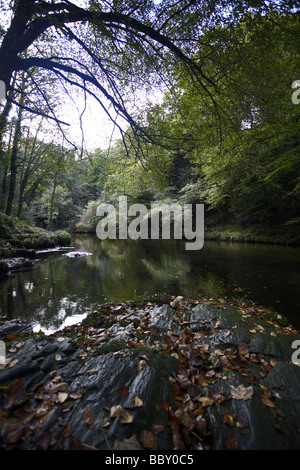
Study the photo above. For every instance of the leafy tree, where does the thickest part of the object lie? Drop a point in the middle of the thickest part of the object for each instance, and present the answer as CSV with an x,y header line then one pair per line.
x,y
110,48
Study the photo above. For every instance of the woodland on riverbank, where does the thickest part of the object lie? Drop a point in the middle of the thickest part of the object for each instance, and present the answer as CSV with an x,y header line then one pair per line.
x,y
224,130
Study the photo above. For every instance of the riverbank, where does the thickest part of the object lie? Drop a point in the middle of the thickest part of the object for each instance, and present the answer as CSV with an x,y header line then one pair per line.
x,y
274,235
19,242
230,232
154,375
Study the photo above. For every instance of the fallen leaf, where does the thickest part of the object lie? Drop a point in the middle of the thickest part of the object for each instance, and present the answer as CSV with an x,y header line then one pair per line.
x,y
62,396
89,417
15,394
243,349
239,424
57,357
77,395
164,405
67,431
241,393
157,428
123,391
60,339
92,371
148,440
128,444
13,363
141,364
105,423
137,402
266,400
187,420
115,411
205,401
229,419
125,417
176,301
45,411
232,443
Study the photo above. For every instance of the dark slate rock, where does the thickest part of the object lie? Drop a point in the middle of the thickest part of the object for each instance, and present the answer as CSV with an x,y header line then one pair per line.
x,y
8,328
262,425
16,264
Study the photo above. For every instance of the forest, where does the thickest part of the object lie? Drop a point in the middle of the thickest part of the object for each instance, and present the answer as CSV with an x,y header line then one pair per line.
x,y
146,344
202,100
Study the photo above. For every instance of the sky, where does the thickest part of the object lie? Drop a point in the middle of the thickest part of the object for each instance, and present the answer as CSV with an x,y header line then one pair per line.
x,y
99,131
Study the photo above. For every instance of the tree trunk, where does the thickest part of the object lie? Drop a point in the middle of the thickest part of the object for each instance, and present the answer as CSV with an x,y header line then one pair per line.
x,y
13,163
51,204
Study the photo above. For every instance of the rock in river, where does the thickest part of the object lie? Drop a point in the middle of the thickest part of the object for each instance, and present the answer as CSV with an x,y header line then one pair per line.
x,y
16,264
77,254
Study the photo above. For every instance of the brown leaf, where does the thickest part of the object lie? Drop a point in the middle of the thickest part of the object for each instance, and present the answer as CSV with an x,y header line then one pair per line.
x,y
232,443
92,371
187,420
15,394
123,391
243,349
229,419
205,401
16,432
137,402
62,396
125,417
105,423
77,395
45,411
67,431
141,364
266,400
44,441
115,411
164,405
148,440
89,417
128,444
241,393
157,428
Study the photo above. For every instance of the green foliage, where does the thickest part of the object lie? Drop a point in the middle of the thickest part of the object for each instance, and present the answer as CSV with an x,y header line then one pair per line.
x,y
226,136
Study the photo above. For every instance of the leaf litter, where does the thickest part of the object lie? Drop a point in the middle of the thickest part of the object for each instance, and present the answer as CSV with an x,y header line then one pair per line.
x,y
199,370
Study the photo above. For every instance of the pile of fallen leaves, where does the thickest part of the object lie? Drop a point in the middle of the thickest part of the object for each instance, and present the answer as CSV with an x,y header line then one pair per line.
x,y
199,368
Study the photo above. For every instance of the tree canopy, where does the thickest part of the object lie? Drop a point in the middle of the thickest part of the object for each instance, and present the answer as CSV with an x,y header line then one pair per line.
x,y
108,48
225,131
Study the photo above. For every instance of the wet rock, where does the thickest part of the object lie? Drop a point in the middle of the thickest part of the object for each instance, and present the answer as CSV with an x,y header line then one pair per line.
x,y
8,328
16,264
77,254
206,376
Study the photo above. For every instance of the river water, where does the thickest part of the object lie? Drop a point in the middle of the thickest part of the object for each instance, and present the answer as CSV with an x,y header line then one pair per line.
x,y
60,290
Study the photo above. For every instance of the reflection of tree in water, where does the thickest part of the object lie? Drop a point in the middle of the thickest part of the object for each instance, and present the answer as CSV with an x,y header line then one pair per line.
x,y
60,287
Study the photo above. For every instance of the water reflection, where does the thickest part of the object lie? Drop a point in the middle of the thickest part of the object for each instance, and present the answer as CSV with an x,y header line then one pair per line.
x,y
61,290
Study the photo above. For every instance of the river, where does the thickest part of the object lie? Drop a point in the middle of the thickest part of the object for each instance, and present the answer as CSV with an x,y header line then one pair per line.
x,y
60,290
